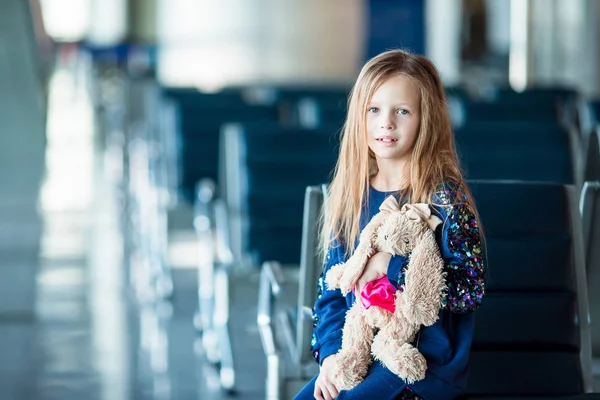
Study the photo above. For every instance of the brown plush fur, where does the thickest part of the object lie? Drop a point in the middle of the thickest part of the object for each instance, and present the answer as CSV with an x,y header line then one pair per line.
x,y
375,331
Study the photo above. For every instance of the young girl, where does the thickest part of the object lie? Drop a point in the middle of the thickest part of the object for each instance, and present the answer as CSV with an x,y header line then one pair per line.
x,y
398,141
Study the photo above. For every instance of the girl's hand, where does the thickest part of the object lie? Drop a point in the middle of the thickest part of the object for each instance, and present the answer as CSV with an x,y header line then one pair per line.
x,y
376,268
325,389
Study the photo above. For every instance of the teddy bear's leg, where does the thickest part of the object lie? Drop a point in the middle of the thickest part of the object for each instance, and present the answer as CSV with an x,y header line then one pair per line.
x,y
392,347
354,358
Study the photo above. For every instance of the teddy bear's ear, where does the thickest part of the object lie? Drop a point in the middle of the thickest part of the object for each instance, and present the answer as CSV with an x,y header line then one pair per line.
x,y
423,212
390,204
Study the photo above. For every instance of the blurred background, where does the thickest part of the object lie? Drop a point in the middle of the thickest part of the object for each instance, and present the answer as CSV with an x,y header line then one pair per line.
x,y
161,165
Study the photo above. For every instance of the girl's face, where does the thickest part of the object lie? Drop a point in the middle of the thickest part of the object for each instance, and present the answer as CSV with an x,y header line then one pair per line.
x,y
393,119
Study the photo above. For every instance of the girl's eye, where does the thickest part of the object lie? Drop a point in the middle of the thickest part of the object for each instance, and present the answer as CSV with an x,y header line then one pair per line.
x,y
373,110
403,111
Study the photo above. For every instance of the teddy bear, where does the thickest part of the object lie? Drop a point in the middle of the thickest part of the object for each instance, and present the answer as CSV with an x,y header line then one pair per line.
x,y
377,331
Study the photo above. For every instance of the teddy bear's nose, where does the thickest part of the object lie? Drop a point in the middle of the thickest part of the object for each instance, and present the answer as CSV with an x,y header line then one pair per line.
x,y
406,241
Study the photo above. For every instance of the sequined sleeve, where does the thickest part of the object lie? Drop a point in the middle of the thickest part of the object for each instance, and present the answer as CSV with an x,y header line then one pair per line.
x,y
328,313
460,245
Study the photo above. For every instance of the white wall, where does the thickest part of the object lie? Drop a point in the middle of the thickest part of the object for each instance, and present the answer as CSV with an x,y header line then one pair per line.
x,y
109,22
563,44
210,44
589,77
443,20
66,20
498,19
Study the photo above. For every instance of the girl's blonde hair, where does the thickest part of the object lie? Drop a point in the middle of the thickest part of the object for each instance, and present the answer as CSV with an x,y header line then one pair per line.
x,y
433,160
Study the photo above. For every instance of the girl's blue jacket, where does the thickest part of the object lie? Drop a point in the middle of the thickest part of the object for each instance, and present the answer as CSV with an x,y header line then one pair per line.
x,y
445,344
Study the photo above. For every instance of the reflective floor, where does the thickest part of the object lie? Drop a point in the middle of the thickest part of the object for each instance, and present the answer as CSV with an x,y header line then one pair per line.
x,y
91,340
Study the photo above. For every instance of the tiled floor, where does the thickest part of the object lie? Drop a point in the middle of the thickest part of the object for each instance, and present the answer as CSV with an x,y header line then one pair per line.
x,y
91,340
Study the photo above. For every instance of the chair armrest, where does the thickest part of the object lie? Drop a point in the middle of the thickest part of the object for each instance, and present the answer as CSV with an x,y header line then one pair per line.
x,y
223,251
270,286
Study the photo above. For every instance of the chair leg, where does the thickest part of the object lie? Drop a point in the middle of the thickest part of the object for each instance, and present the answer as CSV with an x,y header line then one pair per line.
x,y
221,324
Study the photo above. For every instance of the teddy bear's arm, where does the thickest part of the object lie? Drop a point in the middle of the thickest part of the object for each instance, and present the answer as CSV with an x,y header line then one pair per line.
x,y
356,264
424,283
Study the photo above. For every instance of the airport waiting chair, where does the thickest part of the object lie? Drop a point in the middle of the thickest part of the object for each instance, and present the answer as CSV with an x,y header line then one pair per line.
x,y
591,155
495,112
534,104
286,330
198,123
265,172
265,168
588,113
529,151
590,215
214,264
532,337
148,200
562,98
589,120
313,112
289,98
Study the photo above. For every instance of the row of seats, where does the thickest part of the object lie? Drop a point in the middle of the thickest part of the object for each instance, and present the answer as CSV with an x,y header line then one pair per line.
x,y
533,324
275,171
589,122
535,104
265,166
530,133
244,126
135,133
199,120
200,117
531,151
274,166
539,150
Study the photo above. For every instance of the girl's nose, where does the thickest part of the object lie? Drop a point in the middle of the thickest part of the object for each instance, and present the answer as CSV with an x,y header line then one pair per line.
x,y
387,123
